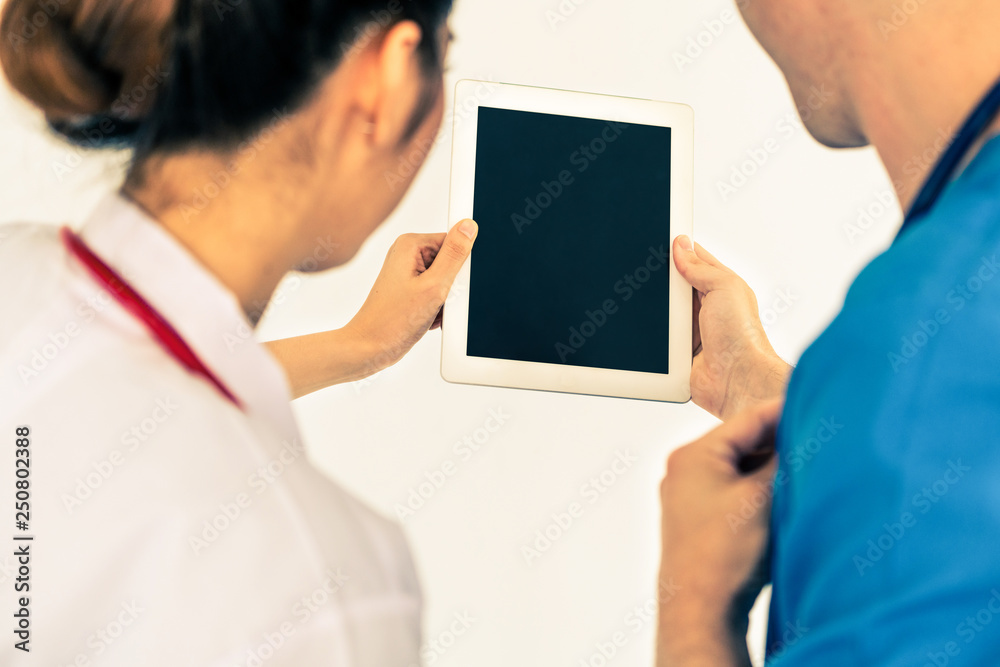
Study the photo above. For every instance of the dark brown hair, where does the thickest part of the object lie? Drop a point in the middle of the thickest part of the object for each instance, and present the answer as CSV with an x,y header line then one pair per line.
x,y
161,74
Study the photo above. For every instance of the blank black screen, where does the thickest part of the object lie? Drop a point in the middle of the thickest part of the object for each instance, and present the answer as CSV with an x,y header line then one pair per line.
x,y
571,263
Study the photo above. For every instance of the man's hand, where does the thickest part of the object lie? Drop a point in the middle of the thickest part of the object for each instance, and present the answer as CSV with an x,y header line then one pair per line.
x,y
714,548
734,364
405,303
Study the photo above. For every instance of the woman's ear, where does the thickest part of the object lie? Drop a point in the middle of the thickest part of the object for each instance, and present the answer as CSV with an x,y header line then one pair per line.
x,y
399,83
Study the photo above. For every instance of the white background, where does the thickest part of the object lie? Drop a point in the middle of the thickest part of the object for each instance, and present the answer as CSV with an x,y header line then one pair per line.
x,y
784,231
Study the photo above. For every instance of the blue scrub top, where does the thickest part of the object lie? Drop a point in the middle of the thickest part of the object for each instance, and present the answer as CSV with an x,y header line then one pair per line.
x,y
886,515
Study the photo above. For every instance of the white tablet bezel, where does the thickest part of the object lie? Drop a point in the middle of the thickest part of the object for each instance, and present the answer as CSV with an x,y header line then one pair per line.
x,y
456,365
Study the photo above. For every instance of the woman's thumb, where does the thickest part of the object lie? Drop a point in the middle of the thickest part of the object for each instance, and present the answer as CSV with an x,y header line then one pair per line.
x,y
454,251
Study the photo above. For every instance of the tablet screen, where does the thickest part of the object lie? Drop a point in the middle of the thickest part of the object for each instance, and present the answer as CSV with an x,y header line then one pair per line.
x,y
571,263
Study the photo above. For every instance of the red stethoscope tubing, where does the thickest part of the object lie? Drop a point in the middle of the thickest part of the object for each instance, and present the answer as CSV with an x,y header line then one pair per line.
x,y
133,302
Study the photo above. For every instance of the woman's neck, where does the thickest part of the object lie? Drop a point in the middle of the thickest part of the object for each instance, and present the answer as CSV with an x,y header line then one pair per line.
x,y
233,225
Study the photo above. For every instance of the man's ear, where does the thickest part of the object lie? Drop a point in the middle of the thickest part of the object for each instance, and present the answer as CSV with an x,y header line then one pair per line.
x,y
396,83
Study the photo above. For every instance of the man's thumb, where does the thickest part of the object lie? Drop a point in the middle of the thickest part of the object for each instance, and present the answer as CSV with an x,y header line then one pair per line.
x,y
454,251
700,274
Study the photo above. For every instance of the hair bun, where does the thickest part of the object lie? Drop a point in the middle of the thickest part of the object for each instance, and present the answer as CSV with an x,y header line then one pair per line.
x,y
85,60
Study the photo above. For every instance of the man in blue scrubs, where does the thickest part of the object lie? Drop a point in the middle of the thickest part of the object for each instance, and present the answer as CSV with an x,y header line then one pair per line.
x,y
884,532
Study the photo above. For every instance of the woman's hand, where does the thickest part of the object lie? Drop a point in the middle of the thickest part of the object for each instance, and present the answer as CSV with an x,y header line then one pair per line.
x,y
408,297
405,303
716,514
734,364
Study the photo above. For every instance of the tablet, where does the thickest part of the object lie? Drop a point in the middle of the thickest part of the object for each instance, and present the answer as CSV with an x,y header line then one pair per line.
x,y
571,286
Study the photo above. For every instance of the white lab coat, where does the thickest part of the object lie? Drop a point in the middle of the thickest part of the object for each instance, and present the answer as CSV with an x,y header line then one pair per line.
x,y
170,527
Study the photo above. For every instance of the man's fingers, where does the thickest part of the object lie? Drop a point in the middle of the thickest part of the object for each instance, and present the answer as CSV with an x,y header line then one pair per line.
x,y
438,320
753,463
700,274
763,473
454,251
750,434
696,319
706,256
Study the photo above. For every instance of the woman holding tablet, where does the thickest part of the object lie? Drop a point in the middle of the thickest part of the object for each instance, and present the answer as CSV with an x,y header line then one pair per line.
x,y
178,520
159,465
